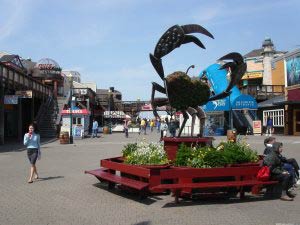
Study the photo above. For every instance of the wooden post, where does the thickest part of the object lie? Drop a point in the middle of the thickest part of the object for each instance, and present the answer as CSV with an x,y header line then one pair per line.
x,y
1,107
20,121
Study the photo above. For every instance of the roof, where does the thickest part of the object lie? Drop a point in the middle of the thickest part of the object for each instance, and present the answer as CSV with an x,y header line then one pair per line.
x,y
271,102
105,91
254,53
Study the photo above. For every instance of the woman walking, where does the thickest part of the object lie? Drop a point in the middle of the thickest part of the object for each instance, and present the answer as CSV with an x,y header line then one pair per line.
x,y
32,142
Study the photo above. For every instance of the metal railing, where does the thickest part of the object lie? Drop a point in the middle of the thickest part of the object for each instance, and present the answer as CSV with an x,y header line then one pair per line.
x,y
43,108
263,91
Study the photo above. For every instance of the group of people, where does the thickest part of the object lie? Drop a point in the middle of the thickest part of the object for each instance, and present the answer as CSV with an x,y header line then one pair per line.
x,y
285,170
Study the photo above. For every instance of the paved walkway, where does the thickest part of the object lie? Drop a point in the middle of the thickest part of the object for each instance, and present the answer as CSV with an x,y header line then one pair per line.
x,y
67,196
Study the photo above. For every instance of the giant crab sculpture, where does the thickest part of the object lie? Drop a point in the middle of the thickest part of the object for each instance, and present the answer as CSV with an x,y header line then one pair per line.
x,y
183,94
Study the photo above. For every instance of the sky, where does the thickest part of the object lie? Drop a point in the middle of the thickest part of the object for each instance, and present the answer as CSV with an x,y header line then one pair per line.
x,y
108,41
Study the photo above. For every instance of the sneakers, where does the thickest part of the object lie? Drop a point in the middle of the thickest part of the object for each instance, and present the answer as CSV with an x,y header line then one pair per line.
x,y
291,193
286,198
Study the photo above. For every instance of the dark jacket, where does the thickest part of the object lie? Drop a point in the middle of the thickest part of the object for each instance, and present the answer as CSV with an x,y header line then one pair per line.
x,y
273,160
268,150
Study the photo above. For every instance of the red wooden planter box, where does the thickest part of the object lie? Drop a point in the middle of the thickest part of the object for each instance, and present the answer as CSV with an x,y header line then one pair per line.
x,y
171,145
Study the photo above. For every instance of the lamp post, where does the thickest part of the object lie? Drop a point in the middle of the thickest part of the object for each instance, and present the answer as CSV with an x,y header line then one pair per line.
x,y
191,66
71,114
109,108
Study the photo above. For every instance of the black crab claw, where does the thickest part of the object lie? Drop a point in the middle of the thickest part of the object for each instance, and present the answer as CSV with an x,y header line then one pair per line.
x,y
173,38
237,69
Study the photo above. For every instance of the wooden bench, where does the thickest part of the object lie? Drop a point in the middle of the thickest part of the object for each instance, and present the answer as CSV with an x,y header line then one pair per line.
x,y
209,178
129,176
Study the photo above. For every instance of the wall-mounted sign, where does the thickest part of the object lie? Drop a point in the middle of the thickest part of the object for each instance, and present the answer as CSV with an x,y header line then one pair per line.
x,y
24,94
11,99
76,111
252,75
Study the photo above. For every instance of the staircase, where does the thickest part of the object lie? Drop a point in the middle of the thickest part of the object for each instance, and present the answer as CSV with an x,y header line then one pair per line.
x,y
46,118
49,116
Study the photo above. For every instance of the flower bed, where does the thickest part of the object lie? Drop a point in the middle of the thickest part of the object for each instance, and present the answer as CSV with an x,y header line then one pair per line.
x,y
227,153
144,153
224,155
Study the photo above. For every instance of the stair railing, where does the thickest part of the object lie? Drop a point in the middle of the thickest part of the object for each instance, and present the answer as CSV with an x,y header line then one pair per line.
x,y
58,118
43,108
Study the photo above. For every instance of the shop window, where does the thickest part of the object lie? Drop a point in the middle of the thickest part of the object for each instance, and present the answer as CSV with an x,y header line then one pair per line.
x,y
276,115
74,121
79,121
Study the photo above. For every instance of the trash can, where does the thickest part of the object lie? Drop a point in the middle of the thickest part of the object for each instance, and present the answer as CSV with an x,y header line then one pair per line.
x,y
106,130
231,135
64,138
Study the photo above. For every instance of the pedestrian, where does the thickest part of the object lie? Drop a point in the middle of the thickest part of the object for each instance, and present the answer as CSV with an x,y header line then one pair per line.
x,y
143,125
126,124
32,142
163,130
151,125
172,128
95,128
270,128
273,161
158,125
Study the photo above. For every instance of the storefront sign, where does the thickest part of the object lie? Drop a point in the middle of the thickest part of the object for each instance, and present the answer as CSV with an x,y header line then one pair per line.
x,y
76,111
11,99
244,102
24,94
256,127
252,75
217,105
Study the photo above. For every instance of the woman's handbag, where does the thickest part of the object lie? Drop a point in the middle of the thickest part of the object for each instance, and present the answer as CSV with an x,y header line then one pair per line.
x,y
263,174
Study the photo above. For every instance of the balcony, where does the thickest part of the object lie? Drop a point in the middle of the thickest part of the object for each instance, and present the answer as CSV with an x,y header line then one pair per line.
x,y
263,92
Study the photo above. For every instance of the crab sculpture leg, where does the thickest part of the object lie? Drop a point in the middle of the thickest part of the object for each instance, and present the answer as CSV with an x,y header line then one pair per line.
x,y
173,38
197,112
237,67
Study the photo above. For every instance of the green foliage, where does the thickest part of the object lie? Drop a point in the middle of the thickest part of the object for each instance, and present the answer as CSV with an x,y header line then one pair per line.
x,y
183,92
128,149
207,157
184,153
238,152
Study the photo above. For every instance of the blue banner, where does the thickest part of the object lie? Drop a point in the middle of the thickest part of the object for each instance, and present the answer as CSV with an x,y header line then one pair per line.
x,y
217,105
244,102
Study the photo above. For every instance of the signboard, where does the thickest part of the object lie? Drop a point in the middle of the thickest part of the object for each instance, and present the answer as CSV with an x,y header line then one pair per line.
x,y
217,105
11,99
293,70
252,75
24,94
76,112
257,127
244,102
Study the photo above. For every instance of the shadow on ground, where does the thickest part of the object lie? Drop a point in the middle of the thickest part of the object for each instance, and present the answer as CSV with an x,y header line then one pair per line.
x,y
128,193
15,146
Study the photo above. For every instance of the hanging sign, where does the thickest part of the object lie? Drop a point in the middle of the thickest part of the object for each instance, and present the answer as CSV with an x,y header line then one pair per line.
x,y
11,99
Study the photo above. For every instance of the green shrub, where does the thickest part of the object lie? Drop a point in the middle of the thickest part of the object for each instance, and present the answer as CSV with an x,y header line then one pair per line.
x,y
183,155
128,149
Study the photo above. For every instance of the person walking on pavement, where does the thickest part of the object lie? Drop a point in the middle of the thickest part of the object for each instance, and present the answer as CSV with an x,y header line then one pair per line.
x,y
126,124
163,130
32,142
95,128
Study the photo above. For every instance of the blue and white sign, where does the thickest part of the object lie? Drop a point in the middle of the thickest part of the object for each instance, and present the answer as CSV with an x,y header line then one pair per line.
x,y
244,102
217,105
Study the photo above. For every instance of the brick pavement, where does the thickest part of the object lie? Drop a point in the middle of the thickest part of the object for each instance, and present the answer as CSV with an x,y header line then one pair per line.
x,y
65,195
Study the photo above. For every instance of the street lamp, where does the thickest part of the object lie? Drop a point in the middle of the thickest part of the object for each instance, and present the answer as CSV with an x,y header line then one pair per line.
x,y
109,108
191,66
71,114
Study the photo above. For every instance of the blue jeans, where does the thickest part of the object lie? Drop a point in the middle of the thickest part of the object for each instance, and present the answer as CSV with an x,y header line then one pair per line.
x,y
94,132
288,167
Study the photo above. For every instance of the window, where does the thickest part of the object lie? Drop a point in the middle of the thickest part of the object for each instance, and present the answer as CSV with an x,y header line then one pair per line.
x,y
276,115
